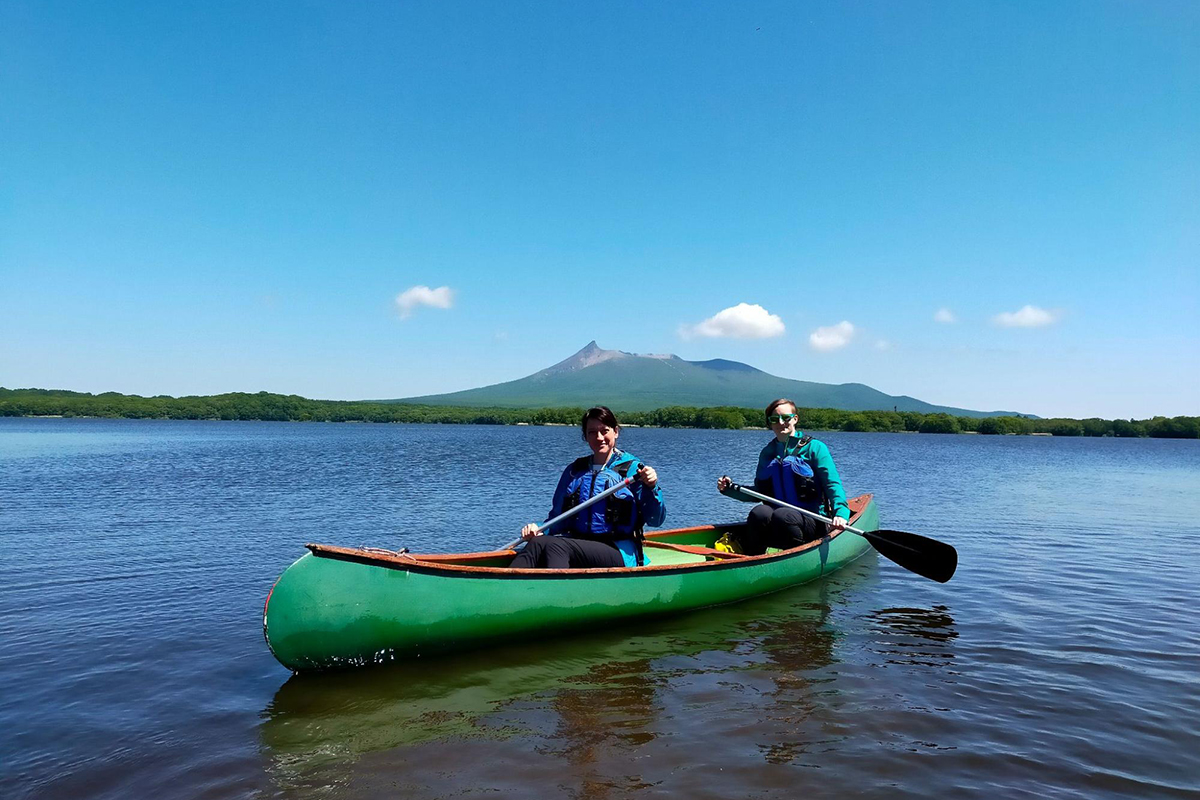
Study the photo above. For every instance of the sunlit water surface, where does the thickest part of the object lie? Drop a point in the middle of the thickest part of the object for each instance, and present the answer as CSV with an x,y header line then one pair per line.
x,y
1063,660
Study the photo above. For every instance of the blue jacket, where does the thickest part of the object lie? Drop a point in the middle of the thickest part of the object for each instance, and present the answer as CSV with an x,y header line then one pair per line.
x,y
617,519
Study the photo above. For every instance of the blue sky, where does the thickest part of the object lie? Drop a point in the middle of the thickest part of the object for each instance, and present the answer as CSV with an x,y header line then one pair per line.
x,y
208,197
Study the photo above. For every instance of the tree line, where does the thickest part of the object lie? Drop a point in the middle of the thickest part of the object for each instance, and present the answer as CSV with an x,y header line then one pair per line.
x,y
292,408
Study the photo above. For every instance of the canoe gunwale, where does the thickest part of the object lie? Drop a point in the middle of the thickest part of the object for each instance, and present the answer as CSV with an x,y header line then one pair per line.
x,y
432,565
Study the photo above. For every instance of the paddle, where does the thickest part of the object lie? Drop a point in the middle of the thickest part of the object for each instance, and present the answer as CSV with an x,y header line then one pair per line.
x,y
927,557
573,511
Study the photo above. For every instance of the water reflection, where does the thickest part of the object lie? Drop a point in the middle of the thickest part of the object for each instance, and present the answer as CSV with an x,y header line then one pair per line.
x,y
615,709
612,712
586,701
318,721
797,648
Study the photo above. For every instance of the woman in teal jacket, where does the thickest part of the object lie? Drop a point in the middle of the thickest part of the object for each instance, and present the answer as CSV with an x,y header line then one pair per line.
x,y
796,469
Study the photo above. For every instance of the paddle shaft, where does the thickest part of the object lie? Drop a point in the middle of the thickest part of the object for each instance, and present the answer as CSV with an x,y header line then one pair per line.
x,y
803,511
573,511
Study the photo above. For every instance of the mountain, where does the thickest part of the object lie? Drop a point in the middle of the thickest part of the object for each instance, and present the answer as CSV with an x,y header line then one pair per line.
x,y
631,382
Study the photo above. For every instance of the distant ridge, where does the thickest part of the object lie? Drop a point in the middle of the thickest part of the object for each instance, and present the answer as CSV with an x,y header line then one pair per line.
x,y
632,382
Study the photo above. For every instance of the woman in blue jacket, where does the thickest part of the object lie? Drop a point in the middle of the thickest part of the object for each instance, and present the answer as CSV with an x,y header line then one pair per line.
x,y
609,533
796,469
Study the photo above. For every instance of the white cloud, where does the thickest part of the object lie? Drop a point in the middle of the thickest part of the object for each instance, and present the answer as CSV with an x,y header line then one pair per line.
x,y
408,300
945,315
743,321
883,345
1027,317
833,337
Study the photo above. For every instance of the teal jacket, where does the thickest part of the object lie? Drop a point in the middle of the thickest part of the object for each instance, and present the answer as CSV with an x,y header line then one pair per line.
x,y
817,455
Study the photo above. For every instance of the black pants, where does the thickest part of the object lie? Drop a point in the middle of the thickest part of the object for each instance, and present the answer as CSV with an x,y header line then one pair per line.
x,y
778,527
562,552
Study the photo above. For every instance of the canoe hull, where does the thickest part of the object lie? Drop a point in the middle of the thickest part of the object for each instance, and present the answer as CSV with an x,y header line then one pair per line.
x,y
328,612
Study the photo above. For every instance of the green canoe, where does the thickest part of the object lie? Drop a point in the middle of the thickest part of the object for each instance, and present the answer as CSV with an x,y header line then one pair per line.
x,y
340,607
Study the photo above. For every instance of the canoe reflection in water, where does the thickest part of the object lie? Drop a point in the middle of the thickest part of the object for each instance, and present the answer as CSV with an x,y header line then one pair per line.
x,y
647,699
799,649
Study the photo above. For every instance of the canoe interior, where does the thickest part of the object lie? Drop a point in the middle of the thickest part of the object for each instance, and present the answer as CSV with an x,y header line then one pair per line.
x,y
702,537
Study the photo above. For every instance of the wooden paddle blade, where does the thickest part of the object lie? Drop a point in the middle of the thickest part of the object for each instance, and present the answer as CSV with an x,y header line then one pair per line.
x,y
927,557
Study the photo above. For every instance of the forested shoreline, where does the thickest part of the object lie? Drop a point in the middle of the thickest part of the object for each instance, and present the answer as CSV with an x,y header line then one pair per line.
x,y
292,408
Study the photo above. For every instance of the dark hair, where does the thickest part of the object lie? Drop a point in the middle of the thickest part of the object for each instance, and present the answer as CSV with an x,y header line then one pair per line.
x,y
600,414
771,406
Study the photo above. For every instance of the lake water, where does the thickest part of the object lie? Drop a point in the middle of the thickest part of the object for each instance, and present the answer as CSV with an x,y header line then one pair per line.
x,y
1062,661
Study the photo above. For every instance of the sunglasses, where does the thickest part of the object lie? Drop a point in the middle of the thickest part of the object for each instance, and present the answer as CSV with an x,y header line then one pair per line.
x,y
777,418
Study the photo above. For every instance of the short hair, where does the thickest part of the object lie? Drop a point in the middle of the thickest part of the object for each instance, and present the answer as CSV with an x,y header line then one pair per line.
x,y
601,414
771,406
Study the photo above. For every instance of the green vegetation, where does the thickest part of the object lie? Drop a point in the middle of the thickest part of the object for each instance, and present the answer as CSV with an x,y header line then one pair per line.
x,y
939,423
291,408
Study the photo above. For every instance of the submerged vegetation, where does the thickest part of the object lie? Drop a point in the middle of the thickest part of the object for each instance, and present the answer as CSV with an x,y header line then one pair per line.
x,y
292,408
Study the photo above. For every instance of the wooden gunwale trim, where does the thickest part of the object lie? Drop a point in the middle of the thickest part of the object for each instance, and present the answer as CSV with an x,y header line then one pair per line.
x,y
427,565
695,550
